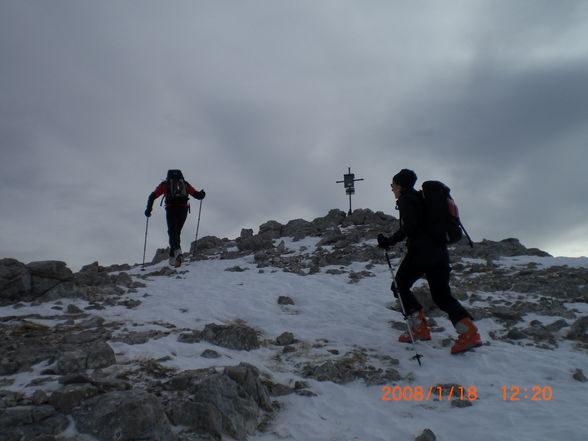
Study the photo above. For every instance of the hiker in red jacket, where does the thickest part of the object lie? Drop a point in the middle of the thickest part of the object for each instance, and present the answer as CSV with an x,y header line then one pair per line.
x,y
177,192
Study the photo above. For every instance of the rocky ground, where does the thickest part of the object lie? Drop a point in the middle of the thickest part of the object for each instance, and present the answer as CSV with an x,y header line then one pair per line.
x,y
66,355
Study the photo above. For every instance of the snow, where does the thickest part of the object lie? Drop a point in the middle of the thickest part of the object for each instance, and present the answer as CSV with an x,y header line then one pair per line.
x,y
331,314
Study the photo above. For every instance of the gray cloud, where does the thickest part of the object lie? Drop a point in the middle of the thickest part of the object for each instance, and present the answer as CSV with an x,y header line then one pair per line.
x,y
266,104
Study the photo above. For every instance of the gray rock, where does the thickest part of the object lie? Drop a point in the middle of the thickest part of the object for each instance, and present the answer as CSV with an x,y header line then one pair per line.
x,y
286,338
209,353
540,333
30,422
231,403
579,329
333,219
139,338
278,390
516,334
39,397
48,275
124,416
339,371
236,269
299,228
461,403
93,333
93,275
364,216
124,279
248,376
332,237
197,416
507,314
190,337
246,233
73,309
161,254
427,435
26,344
238,337
165,271
225,409
15,280
92,322
206,244
348,369
271,229
68,397
185,380
254,243
557,325
491,250
578,375
93,356
117,268
355,277
285,300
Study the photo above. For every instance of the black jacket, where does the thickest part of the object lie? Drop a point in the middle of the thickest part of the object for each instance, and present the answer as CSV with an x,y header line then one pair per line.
x,y
421,248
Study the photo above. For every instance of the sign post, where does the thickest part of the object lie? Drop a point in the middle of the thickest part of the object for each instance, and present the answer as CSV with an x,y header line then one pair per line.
x,y
349,184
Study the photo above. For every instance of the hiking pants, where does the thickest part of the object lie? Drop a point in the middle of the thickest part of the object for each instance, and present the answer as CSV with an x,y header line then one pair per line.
x,y
438,278
176,217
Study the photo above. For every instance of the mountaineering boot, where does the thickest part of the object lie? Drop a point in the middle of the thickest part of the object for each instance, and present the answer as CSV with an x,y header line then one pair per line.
x,y
178,259
172,257
468,336
419,327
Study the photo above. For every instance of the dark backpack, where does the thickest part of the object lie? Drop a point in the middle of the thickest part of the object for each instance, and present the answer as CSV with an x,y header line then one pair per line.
x,y
441,214
177,188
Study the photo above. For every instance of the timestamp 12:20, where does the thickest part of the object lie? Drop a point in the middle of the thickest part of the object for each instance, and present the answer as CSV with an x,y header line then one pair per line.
x,y
535,393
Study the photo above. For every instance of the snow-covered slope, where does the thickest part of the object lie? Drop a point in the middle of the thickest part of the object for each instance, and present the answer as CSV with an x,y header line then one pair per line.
x,y
332,319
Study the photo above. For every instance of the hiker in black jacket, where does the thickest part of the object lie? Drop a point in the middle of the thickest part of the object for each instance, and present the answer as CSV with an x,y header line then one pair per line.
x,y
427,257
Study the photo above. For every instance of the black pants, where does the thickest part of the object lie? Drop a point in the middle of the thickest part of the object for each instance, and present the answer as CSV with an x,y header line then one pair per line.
x,y
176,217
438,278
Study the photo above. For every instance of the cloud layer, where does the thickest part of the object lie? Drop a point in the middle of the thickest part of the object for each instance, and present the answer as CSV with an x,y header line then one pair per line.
x,y
265,104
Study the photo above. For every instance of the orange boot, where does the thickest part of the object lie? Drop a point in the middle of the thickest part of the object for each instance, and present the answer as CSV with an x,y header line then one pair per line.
x,y
468,336
419,327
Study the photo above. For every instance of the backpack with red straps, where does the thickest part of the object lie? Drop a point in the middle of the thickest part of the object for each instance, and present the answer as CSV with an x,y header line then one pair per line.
x,y
441,214
177,188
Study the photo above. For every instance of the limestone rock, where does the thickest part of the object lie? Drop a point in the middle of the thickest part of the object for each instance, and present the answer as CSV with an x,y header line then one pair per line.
x,y
124,416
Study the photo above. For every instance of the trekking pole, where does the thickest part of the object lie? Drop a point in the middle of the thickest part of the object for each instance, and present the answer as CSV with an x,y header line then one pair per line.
x,y
467,235
145,245
197,227
416,356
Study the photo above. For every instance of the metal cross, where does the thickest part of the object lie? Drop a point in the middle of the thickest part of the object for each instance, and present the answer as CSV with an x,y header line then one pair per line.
x,y
349,184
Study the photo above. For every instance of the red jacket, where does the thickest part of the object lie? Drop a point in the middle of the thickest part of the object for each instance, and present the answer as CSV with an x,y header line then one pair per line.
x,y
161,189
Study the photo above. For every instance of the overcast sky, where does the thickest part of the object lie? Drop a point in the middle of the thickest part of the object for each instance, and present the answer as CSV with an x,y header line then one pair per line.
x,y
265,103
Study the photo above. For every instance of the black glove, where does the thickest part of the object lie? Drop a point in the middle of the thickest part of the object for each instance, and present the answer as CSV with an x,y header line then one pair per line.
x,y
384,242
150,204
200,195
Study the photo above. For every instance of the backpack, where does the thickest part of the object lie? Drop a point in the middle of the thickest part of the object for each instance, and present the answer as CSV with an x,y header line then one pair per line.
x,y
441,214
177,188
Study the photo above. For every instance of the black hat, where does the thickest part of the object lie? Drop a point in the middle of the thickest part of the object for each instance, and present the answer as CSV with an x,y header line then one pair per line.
x,y
405,178
175,174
